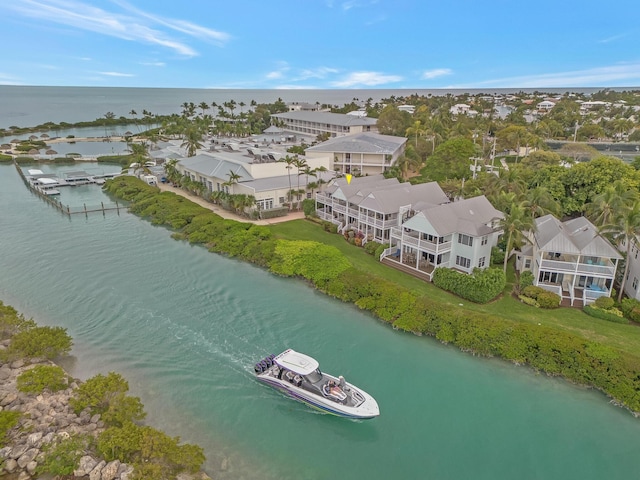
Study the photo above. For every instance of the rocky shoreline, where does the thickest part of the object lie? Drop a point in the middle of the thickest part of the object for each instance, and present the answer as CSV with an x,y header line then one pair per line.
x,y
45,419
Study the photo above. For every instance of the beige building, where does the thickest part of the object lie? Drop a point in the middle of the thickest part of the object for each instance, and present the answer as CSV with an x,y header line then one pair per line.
x,y
360,154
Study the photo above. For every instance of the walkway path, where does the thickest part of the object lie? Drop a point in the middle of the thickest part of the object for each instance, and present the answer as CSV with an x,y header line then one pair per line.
x,y
225,213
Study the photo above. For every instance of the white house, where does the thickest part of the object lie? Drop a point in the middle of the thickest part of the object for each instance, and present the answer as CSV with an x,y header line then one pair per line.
x,y
545,106
632,284
570,259
360,153
456,235
462,109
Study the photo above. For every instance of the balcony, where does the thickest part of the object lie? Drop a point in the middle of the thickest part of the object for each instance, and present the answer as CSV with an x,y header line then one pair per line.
x,y
604,269
322,198
413,240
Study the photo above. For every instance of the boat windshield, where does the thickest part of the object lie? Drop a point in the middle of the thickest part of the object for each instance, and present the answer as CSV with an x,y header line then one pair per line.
x,y
315,376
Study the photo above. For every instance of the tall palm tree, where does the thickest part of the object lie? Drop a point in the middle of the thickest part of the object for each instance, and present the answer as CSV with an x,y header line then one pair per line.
x,y
538,201
233,178
604,206
416,130
299,163
192,139
289,161
625,228
203,106
515,223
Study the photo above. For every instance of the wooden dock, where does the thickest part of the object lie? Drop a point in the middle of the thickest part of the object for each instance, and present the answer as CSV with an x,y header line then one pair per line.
x,y
66,209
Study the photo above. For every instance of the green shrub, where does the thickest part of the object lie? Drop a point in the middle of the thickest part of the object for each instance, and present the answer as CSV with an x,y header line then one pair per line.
x,y
609,315
526,279
532,291
548,299
274,212
604,303
5,158
8,420
42,342
529,301
314,261
309,207
152,453
41,378
106,395
379,250
371,247
12,322
481,286
631,309
497,256
63,457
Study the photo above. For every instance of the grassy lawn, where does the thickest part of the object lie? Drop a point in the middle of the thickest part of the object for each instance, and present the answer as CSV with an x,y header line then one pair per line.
x,y
624,337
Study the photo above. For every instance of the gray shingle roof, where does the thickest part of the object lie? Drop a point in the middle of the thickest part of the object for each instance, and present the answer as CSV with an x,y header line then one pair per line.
x,y
390,199
327,117
577,236
470,216
361,143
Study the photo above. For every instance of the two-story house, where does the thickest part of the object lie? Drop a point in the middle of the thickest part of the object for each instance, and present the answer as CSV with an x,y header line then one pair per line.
x,y
456,235
570,259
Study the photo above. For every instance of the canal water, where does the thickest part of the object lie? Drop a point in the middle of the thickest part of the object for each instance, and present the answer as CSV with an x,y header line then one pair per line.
x,y
185,327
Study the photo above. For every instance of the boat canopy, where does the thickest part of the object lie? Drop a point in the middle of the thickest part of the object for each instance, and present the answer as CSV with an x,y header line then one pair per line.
x,y
47,181
297,362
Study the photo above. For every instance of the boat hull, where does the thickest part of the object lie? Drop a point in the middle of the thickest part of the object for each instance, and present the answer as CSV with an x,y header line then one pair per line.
x,y
319,403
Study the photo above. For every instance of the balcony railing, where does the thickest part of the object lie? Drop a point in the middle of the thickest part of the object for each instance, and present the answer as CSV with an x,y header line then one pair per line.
x,y
424,245
606,270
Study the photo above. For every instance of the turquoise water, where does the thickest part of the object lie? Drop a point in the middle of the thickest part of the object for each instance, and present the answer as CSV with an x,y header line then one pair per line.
x,y
185,327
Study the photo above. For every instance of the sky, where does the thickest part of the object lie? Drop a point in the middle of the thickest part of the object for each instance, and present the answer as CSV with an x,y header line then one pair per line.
x,y
321,44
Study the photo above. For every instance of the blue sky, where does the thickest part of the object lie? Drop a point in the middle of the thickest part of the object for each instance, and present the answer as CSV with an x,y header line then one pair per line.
x,y
321,43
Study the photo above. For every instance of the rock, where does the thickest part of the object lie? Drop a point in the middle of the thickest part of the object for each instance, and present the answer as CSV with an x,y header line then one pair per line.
x,y
10,465
85,466
28,456
8,399
96,473
124,475
17,364
95,418
5,452
40,398
100,424
48,438
90,428
110,470
31,467
18,451
34,440
224,466
24,476
4,373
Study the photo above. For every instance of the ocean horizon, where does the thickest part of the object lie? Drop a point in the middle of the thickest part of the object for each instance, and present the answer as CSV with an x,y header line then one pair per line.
x,y
29,106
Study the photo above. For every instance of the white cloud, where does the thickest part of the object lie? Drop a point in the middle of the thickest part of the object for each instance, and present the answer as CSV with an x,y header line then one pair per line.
x,y
153,64
136,25
320,72
117,74
593,77
368,79
435,73
613,38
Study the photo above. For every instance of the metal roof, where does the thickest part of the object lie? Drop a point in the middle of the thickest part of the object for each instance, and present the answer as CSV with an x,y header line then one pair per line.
x,y
327,118
366,142
214,167
577,236
390,199
297,362
471,216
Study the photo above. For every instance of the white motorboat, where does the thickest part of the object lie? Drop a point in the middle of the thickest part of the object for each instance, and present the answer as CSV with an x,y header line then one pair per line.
x,y
298,376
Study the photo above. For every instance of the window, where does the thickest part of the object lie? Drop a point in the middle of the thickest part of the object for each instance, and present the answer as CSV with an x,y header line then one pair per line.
x,y
484,240
465,239
527,263
463,262
281,200
635,283
481,262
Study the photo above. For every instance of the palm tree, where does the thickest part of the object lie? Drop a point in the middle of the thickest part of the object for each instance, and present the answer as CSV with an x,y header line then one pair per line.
x,y
289,165
233,178
192,139
604,206
538,201
625,229
203,106
515,223
416,130
299,163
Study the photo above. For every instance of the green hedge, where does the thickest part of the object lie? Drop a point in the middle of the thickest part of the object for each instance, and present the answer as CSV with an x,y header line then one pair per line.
x,y
5,158
481,286
602,314
543,298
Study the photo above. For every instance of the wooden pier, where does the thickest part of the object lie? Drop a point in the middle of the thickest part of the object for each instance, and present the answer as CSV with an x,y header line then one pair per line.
x,y
66,209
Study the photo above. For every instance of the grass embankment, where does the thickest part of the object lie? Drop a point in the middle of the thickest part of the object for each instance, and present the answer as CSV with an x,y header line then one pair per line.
x,y
564,342
623,337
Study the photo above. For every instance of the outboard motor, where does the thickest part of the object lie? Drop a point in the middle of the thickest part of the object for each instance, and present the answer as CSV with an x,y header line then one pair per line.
x,y
258,368
264,365
268,361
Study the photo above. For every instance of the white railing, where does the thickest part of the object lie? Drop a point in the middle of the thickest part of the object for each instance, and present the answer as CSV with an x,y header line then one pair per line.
x,y
607,270
557,289
590,296
389,251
